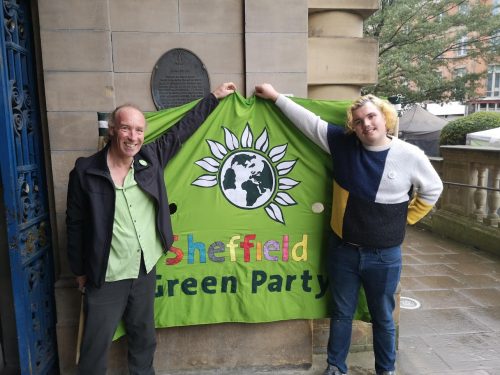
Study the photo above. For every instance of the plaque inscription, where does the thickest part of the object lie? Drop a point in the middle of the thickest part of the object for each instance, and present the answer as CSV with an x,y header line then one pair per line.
x,y
178,77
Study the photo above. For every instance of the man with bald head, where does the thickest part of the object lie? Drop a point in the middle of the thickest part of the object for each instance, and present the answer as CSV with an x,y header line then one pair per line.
x,y
118,226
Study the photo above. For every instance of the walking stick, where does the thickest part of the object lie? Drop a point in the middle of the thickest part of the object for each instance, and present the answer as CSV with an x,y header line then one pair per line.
x,y
80,332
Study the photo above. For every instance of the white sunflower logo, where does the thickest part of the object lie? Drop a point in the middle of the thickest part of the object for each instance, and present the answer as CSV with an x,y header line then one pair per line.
x,y
248,175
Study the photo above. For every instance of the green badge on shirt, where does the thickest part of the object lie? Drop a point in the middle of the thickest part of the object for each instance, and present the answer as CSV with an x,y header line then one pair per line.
x,y
143,162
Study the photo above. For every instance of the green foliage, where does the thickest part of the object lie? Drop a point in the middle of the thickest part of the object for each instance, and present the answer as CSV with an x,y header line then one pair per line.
x,y
416,38
454,132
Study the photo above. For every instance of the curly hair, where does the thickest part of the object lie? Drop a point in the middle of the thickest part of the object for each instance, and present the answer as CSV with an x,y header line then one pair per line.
x,y
386,108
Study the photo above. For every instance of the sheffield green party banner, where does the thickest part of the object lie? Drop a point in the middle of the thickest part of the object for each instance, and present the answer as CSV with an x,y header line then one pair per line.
x,y
253,202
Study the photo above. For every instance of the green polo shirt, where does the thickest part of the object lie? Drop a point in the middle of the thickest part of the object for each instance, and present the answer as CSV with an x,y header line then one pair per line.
x,y
134,232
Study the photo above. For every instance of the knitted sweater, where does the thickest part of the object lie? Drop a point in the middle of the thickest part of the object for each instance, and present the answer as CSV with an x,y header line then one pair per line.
x,y
372,185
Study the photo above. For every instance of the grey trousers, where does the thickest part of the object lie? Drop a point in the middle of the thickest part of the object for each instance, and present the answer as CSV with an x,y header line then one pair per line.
x,y
132,300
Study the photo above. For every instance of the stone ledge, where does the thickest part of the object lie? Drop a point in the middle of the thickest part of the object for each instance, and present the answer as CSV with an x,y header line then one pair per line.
x,y
463,229
363,7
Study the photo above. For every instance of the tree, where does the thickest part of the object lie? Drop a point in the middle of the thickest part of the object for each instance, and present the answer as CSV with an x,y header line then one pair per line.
x,y
418,39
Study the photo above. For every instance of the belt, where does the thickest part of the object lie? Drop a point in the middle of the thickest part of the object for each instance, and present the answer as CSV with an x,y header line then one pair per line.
x,y
353,245
339,241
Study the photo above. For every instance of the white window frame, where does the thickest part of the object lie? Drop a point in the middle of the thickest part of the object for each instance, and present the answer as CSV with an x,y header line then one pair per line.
x,y
459,72
493,81
463,9
495,41
462,46
495,7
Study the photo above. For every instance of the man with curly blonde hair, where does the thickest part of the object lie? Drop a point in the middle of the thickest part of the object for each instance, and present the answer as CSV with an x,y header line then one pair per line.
x,y
380,184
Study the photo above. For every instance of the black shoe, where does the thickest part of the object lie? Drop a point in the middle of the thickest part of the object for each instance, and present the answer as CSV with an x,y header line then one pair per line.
x,y
333,370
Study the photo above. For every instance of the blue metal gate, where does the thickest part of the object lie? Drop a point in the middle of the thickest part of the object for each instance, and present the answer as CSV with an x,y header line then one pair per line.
x,y
25,196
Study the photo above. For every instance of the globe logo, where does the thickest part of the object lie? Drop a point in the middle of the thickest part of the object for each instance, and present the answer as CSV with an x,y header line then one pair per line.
x,y
248,173
247,179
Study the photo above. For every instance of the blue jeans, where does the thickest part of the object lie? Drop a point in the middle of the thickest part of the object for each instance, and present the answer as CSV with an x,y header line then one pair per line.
x,y
378,271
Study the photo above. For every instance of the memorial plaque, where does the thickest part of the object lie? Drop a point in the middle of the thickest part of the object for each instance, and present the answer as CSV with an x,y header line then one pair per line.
x,y
178,77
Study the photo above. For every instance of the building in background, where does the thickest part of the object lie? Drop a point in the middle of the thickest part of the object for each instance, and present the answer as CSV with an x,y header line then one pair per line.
x,y
488,93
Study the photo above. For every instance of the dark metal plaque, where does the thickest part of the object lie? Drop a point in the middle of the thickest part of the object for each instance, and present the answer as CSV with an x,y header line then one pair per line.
x,y
178,77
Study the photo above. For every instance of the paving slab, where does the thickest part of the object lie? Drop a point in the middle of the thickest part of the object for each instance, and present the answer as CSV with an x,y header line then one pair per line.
x,y
477,281
441,299
483,296
445,321
433,270
438,282
488,316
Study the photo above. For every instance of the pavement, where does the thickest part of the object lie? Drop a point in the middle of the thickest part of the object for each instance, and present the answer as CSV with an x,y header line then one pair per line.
x,y
457,328
451,323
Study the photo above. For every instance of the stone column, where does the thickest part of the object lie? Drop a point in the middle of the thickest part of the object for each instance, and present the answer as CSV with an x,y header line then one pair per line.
x,y
494,198
480,194
340,62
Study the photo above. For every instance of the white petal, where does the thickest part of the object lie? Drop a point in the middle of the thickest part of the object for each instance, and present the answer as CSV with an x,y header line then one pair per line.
x,y
231,140
287,183
275,213
277,153
208,165
262,143
211,161
208,177
285,167
247,137
284,199
205,181
217,149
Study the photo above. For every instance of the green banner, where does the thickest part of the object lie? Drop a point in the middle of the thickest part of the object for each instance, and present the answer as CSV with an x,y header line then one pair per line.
x,y
253,199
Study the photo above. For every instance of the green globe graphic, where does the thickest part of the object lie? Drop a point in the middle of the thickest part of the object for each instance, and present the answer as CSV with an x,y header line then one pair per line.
x,y
247,179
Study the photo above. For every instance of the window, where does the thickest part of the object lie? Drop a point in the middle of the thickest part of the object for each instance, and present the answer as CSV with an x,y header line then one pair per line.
x,y
493,84
462,46
495,41
490,107
463,9
496,7
459,72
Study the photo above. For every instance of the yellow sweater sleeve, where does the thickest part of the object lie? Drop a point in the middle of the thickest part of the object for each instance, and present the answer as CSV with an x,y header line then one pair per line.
x,y
417,209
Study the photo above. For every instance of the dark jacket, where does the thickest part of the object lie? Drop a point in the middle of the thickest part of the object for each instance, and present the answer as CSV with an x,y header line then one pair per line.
x,y
91,195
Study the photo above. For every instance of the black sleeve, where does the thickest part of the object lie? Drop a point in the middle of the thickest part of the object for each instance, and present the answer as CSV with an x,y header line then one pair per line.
x,y
75,219
169,143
